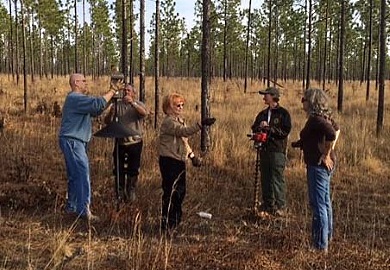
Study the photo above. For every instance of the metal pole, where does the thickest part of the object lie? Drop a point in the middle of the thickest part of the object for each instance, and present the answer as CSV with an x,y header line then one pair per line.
x,y
117,175
257,188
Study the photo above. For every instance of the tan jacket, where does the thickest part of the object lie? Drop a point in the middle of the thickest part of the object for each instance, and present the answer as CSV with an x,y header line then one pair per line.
x,y
174,138
130,118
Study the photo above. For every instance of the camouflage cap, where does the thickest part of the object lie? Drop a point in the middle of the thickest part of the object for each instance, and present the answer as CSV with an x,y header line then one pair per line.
x,y
273,91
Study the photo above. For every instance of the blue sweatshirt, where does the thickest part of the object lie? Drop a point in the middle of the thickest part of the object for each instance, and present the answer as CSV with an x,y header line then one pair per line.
x,y
77,114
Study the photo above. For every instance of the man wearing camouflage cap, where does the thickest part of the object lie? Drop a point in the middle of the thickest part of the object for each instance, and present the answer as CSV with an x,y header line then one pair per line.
x,y
276,121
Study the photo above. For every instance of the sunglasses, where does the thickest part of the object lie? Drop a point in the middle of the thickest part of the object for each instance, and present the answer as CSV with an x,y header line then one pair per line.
x,y
82,80
181,105
303,99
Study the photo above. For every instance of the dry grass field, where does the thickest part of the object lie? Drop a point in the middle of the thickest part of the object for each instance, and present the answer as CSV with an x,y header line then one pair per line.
x,y
35,235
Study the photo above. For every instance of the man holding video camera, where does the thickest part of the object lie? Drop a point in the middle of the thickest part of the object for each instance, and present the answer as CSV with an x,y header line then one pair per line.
x,y
74,136
130,113
275,121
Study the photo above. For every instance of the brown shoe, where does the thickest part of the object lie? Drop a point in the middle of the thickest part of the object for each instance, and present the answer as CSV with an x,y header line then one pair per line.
x,y
91,218
323,251
70,216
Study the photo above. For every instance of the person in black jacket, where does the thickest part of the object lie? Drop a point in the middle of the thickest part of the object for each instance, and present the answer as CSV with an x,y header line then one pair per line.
x,y
276,121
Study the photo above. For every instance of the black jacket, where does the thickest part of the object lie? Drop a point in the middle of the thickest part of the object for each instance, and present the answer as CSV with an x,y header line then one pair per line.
x,y
279,128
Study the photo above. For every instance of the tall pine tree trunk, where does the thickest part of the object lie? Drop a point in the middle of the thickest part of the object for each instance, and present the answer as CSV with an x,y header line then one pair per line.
x,y
382,69
205,55
40,49
341,59
248,29
269,43
131,25
31,33
76,66
142,52
157,66
325,46
16,41
51,56
93,52
188,56
25,87
225,42
10,42
369,53
84,42
308,65
276,46
124,59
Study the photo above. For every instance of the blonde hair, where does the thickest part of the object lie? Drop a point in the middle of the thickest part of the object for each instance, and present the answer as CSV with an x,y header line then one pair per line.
x,y
318,102
170,100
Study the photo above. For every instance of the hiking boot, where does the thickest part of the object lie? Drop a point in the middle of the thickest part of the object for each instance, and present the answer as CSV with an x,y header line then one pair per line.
x,y
70,216
91,218
265,209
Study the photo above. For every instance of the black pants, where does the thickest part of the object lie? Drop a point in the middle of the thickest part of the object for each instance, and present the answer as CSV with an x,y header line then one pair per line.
x,y
129,164
173,174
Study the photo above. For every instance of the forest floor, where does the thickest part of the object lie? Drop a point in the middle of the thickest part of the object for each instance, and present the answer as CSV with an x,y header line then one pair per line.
x,y
35,233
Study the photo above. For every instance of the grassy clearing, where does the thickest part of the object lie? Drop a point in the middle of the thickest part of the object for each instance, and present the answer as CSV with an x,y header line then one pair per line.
x,y
35,235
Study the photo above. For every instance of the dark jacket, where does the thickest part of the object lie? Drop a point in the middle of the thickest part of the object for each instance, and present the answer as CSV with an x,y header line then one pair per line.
x,y
279,128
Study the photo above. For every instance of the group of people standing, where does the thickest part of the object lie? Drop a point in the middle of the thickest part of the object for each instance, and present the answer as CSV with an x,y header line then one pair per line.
x,y
317,140
174,149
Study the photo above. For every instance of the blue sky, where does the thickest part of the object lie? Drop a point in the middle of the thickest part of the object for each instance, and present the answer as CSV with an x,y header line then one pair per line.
x,y
185,8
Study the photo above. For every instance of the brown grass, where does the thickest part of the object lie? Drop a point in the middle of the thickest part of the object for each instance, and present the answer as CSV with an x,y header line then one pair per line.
x,y
34,234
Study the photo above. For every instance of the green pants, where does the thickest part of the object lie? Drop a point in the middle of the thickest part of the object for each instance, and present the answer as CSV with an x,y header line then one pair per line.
x,y
273,186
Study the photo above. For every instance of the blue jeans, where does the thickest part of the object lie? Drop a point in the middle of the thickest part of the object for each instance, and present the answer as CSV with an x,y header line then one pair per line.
x,y
318,179
77,169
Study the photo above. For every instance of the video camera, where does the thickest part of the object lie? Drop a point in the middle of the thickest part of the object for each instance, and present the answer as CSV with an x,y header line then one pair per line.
x,y
259,138
116,82
117,76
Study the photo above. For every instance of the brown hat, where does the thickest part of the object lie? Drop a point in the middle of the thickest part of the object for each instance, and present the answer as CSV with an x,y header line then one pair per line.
x,y
273,91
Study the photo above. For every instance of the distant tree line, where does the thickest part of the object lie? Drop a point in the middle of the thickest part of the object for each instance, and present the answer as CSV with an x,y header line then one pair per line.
x,y
300,40
285,39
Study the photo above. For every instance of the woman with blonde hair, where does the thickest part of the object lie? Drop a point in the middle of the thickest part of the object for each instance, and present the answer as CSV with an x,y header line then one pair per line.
x,y
317,140
174,150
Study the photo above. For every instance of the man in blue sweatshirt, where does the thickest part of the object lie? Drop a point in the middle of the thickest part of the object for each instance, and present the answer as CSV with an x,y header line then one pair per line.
x,y
74,136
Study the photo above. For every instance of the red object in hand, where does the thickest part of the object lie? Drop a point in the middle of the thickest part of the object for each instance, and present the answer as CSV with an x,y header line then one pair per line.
x,y
260,137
